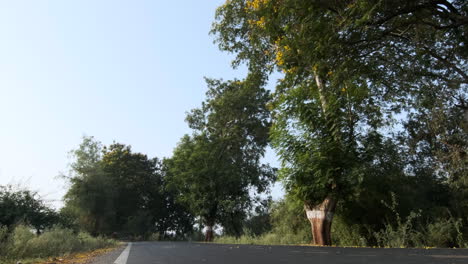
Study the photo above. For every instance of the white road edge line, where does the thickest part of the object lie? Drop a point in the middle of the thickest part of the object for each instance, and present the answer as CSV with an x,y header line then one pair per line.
x,y
122,259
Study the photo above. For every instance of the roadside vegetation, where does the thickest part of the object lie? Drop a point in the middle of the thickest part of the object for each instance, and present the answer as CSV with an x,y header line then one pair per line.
x,y
372,100
369,119
31,231
288,226
23,244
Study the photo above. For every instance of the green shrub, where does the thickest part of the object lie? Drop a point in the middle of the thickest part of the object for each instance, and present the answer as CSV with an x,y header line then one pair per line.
x,y
396,237
265,239
345,235
289,226
3,240
154,237
17,242
22,243
440,232
444,233
399,235
196,235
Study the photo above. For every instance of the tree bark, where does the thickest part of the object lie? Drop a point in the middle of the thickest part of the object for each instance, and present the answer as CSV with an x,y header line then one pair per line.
x,y
321,89
320,217
209,234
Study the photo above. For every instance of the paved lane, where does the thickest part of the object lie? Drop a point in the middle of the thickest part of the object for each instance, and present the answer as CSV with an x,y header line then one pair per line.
x,y
200,253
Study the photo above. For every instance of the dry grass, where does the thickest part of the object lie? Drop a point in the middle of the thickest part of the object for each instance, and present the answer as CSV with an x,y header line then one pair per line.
x,y
76,258
53,246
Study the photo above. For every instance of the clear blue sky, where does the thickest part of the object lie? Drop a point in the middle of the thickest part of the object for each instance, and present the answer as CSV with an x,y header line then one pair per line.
x,y
117,70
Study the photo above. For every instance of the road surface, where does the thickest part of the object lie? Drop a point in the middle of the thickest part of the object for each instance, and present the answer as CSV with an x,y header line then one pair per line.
x,y
201,253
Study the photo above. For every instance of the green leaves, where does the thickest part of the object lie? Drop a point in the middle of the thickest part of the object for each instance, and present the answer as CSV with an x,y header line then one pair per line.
x,y
349,69
214,169
26,207
114,189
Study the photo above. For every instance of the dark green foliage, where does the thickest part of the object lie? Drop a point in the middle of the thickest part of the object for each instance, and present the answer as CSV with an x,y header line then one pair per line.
x,y
21,244
288,219
24,206
213,170
353,70
259,222
137,183
322,105
190,179
91,194
370,55
287,225
437,138
115,191
371,111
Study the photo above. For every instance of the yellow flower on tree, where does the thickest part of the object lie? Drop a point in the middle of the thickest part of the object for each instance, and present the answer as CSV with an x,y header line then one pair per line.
x,y
256,4
279,57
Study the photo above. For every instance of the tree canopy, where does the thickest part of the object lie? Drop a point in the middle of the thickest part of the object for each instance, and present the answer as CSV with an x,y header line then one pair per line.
x,y
22,206
114,190
349,68
214,169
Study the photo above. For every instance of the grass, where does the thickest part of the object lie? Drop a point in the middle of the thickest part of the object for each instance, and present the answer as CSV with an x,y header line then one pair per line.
x,y
441,233
73,258
265,239
22,244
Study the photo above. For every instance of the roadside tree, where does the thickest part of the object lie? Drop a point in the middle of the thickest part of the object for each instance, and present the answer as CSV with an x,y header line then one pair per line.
x,y
213,170
348,67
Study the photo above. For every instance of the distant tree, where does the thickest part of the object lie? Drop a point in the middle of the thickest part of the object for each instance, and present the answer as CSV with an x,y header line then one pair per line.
x,y
92,192
213,170
137,182
196,182
259,220
115,190
436,134
26,207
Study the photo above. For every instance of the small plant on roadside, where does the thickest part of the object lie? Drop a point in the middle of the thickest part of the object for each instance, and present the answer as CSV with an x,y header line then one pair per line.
x,y
400,235
22,243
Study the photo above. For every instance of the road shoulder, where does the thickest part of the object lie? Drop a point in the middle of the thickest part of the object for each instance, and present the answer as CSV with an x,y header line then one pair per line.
x,y
109,257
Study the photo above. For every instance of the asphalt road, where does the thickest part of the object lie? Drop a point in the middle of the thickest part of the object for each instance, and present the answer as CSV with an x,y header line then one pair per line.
x,y
200,253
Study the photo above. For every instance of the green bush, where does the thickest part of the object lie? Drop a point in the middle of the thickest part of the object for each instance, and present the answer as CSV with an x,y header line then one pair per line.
x,y
290,226
18,240
154,237
265,239
439,233
344,235
22,243
444,232
400,236
3,239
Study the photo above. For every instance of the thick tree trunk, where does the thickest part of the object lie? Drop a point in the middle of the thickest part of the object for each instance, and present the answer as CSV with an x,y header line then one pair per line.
x,y
320,217
209,234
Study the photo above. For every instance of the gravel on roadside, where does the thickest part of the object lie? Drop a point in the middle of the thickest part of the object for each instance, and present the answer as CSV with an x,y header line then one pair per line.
x,y
109,257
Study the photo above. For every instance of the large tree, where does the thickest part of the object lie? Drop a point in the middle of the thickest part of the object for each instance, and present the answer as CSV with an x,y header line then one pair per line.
x,y
114,189
214,169
347,65
137,180
90,197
